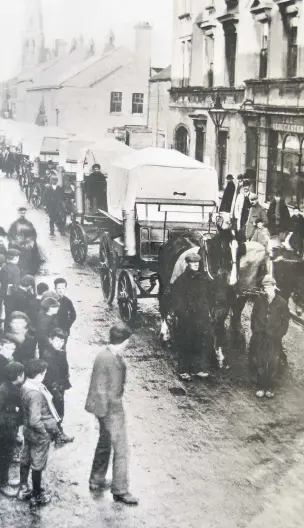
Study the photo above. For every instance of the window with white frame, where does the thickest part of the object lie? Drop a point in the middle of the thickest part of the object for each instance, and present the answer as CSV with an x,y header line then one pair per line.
x,y
116,102
186,51
137,103
184,7
264,51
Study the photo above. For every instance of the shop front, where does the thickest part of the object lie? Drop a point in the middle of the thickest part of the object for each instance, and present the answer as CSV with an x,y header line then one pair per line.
x,y
275,151
285,171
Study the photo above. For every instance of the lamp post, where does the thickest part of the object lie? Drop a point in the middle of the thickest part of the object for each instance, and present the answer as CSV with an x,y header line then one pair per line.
x,y
218,115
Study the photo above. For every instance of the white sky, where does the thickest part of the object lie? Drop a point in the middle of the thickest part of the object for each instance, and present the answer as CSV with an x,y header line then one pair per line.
x,y
91,18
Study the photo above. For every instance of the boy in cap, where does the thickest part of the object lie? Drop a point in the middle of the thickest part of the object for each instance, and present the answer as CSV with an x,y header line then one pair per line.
x,y
10,420
269,323
57,379
296,235
9,278
66,313
23,295
47,320
104,400
256,211
35,304
22,229
40,427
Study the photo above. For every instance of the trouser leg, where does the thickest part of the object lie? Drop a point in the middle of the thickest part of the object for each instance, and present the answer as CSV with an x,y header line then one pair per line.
x,y
6,454
52,225
24,474
115,424
102,455
58,401
36,480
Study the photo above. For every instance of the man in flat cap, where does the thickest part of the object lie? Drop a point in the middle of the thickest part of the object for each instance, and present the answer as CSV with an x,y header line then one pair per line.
x,y
269,323
193,323
96,189
22,235
53,199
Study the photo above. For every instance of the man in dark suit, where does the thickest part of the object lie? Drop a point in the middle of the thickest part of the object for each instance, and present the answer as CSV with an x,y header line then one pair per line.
x,y
23,296
53,198
105,402
9,162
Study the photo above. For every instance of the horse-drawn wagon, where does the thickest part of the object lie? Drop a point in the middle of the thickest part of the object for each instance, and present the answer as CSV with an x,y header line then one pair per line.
x,y
151,194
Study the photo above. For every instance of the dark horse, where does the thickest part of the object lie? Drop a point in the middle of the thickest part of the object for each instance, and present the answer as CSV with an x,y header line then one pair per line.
x,y
232,272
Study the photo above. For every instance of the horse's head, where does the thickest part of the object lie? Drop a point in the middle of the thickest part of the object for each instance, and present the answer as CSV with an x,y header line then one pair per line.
x,y
223,222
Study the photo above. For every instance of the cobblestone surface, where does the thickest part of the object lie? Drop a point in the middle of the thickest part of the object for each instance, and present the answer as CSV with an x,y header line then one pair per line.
x,y
213,458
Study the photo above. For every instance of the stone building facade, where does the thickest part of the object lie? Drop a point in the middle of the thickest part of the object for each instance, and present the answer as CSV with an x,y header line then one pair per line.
x,y
251,53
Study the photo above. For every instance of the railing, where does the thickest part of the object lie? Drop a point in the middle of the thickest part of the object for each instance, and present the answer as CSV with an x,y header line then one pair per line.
x,y
276,92
198,96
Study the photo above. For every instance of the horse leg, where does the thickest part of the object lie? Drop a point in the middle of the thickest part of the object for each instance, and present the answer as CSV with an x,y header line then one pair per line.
x,y
219,338
237,308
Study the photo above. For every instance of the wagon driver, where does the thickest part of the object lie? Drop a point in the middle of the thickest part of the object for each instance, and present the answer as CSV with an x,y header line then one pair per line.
x,y
189,299
96,189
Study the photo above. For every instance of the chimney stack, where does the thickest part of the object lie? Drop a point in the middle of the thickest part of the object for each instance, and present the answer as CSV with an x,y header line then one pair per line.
x,y
143,46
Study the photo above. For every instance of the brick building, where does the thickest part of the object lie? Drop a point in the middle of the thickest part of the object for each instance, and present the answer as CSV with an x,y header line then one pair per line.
x,y
252,55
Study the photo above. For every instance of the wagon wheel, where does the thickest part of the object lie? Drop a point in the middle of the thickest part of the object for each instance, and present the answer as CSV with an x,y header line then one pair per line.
x,y
36,196
127,296
78,243
107,259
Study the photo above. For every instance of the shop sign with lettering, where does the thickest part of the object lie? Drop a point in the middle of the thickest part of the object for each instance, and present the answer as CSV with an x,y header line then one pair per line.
x,y
288,124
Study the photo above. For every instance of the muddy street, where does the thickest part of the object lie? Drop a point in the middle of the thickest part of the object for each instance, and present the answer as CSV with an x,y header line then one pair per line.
x,y
213,458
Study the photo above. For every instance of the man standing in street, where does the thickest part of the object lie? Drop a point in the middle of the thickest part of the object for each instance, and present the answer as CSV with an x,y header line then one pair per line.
x,y
53,199
104,400
193,322
269,323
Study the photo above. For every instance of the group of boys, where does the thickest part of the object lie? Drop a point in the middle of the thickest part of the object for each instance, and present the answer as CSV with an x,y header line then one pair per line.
x,y
35,330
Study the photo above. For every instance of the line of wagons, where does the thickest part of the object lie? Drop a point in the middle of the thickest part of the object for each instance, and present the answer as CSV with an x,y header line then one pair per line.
x,y
151,194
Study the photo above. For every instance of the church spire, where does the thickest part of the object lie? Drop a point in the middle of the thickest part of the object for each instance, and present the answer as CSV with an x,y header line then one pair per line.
x,y
33,51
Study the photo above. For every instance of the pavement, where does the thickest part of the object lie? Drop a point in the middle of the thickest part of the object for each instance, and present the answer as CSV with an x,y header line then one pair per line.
x,y
215,457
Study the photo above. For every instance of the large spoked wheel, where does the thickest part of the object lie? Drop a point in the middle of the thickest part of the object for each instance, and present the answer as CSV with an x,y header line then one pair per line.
x,y
127,297
36,196
78,243
107,268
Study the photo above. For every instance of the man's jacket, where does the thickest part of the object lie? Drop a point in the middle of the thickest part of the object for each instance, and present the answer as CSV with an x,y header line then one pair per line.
x,y
107,384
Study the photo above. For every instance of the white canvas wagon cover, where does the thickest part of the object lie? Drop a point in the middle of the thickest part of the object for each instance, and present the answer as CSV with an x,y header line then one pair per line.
x,y
159,174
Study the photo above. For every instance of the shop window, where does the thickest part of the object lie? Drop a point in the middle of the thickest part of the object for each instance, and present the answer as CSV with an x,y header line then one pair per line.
x,y
285,167
222,156
264,52
292,49
182,140
230,53
137,103
116,102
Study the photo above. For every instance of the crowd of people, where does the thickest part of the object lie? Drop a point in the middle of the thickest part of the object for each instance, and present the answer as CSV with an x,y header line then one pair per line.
x,y
254,222
36,322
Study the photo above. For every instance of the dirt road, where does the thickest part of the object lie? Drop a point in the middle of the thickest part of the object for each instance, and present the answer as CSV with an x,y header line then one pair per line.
x,y
214,458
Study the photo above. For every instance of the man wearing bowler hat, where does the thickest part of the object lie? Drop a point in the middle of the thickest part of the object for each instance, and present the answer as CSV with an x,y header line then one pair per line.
x,y
269,323
193,323
96,189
